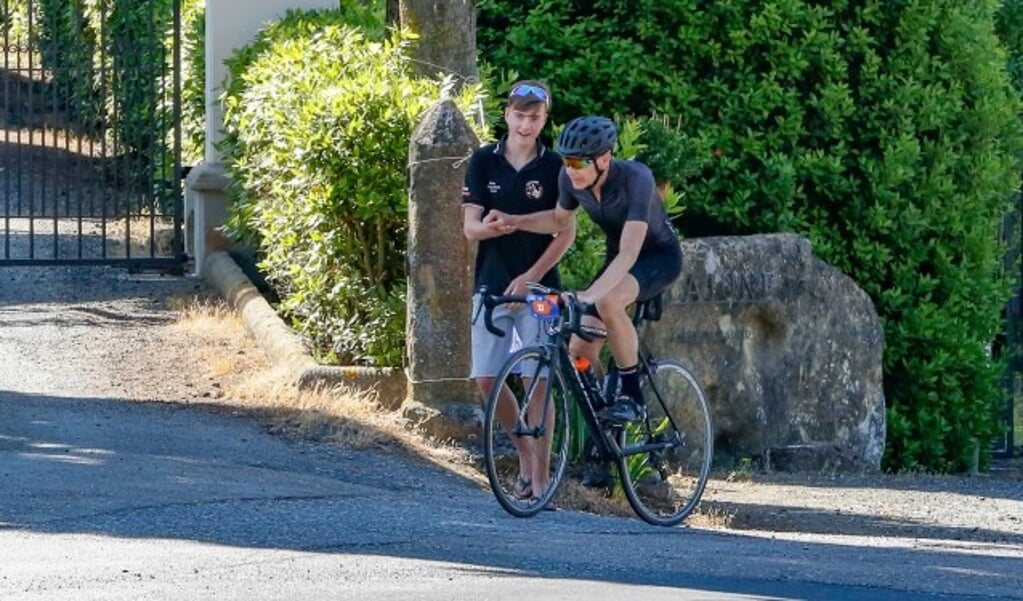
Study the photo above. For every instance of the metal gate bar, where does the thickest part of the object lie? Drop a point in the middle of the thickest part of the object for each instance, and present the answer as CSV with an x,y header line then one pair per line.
x,y
77,190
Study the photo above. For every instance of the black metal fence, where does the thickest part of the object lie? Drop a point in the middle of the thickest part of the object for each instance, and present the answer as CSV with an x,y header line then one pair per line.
x,y
89,133
1010,345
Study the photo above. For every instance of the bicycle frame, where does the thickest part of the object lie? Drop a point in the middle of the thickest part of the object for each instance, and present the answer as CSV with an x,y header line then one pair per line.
x,y
559,333
663,459
607,447
603,437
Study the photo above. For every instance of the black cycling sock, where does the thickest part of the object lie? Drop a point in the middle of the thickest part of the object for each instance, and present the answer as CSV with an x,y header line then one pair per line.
x,y
630,382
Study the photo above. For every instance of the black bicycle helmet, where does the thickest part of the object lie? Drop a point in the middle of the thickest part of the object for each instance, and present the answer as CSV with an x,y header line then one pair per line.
x,y
587,137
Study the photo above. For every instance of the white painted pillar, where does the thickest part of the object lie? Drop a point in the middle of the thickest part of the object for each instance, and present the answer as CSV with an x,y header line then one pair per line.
x,y
230,24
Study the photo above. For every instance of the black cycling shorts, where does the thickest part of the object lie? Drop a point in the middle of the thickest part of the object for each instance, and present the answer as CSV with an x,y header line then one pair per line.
x,y
653,270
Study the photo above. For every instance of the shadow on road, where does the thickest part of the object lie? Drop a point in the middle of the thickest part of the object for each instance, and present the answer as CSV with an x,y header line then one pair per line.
x,y
212,474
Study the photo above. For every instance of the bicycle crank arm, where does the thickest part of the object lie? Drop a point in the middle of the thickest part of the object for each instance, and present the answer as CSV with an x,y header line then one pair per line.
x,y
650,447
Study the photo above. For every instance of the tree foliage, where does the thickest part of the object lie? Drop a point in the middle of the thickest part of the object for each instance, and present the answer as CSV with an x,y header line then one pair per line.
x,y
318,115
886,132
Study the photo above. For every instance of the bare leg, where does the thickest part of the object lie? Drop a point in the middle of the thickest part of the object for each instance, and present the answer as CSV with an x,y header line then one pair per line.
x,y
541,472
508,415
621,334
591,350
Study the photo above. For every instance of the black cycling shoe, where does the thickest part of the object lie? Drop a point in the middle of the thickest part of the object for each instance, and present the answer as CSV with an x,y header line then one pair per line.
x,y
625,410
597,475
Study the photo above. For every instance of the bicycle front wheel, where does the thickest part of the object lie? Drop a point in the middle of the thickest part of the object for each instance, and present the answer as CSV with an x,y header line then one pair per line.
x,y
525,432
667,457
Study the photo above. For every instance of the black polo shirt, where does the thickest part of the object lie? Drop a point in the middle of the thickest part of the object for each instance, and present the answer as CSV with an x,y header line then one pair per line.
x,y
492,183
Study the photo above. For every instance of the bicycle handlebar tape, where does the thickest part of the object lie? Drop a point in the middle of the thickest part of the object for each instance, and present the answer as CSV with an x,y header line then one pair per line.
x,y
440,397
487,307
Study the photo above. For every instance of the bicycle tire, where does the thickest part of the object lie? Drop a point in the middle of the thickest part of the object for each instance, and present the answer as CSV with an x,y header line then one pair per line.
x,y
664,485
502,457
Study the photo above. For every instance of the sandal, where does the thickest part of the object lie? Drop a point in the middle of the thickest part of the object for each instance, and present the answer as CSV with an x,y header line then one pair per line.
x,y
550,506
523,489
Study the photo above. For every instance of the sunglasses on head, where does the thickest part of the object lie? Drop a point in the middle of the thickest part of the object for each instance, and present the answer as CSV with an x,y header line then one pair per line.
x,y
526,89
577,162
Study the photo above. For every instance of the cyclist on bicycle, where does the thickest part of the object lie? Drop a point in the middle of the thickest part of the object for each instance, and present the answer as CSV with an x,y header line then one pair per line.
x,y
643,255
517,175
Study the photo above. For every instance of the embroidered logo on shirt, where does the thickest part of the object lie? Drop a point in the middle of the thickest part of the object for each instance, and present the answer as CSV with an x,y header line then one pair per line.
x,y
493,187
534,190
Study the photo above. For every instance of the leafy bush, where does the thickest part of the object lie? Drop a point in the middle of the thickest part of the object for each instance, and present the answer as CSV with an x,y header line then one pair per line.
x,y
318,115
1009,25
14,21
887,133
138,76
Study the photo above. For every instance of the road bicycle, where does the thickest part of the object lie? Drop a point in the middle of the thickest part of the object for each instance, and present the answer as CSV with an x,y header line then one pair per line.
x,y
663,460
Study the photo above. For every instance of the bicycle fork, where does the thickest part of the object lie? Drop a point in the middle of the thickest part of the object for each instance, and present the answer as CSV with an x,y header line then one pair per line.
x,y
522,427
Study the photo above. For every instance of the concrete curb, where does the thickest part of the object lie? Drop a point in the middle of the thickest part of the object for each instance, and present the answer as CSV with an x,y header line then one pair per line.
x,y
283,347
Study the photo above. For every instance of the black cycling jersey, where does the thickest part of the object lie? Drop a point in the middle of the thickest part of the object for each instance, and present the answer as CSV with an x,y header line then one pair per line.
x,y
492,183
628,194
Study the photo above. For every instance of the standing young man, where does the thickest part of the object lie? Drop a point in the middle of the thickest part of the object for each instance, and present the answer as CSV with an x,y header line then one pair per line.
x,y
643,254
517,175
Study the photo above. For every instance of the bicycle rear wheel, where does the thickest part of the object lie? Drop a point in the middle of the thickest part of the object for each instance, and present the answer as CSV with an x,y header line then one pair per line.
x,y
526,414
666,458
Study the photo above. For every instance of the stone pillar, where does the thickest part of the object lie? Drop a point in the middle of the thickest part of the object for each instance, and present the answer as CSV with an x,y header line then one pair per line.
x,y
227,28
441,398
205,210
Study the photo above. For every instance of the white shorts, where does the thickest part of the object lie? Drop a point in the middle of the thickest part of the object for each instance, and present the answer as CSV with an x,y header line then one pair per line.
x,y
490,351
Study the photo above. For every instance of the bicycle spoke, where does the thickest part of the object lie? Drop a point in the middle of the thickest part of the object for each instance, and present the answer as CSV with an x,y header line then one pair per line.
x,y
668,456
520,425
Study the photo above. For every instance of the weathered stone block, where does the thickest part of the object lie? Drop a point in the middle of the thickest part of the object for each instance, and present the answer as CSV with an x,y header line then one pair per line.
x,y
788,348
440,278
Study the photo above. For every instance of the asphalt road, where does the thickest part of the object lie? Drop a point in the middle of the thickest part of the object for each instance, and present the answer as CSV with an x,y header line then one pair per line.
x,y
105,497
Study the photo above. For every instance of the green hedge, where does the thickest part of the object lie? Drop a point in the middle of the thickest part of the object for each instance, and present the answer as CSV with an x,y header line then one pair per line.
x,y
1009,25
318,116
886,132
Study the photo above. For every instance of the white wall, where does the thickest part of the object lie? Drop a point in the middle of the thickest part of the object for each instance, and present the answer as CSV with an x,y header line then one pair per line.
x,y
229,25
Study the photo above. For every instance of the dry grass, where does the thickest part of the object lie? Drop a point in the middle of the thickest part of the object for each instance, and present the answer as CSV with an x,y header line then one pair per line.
x,y
347,417
710,514
575,496
353,419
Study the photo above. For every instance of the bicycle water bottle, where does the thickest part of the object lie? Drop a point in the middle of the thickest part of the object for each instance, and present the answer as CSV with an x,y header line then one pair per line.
x,y
585,371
